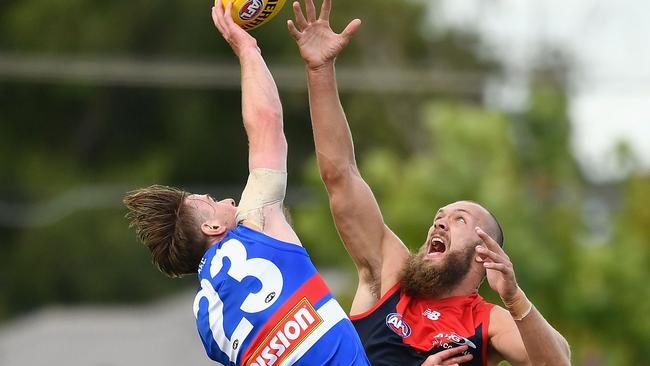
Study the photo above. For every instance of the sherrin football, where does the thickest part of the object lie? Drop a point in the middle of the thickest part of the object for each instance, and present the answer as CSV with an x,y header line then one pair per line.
x,y
250,14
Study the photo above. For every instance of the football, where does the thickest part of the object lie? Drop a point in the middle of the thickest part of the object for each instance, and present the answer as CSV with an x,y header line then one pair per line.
x,y
250,14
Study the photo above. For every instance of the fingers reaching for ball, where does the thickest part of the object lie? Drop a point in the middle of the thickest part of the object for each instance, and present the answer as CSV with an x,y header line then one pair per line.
x,y
251,14
238,39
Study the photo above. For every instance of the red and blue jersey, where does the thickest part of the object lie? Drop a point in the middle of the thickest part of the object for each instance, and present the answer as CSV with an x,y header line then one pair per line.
x,y
402,330
261,302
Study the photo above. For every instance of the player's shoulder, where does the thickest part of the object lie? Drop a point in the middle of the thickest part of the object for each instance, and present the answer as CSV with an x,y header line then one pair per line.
x,y
501,321
499,314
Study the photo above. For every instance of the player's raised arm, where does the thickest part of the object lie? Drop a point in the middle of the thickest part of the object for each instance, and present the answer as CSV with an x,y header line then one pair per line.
x,y
261,107
376,251
261,205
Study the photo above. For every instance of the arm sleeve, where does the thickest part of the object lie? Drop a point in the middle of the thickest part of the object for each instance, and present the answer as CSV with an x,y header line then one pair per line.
x,y
265,187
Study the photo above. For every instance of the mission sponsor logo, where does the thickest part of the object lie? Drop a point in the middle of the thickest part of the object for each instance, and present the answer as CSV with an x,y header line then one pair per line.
x,y
286,335
395,322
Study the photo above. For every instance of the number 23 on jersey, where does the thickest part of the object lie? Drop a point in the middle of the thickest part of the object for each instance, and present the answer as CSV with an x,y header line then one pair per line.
x,y
241,267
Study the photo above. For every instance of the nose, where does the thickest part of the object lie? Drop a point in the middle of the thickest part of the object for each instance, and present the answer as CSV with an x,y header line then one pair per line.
x,y
229,201
441,224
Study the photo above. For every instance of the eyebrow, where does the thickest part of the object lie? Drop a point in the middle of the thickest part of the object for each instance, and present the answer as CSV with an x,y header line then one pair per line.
x,y
456,210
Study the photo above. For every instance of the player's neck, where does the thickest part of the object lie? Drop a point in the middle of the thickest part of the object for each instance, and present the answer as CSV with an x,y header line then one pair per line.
x,y
466,287
249,224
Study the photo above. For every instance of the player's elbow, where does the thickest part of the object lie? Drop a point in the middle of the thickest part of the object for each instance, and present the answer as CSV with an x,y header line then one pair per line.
x,y
331,176
263,118
335,172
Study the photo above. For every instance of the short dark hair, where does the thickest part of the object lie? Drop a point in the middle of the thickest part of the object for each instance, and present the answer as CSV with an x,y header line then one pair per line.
x,y
167,227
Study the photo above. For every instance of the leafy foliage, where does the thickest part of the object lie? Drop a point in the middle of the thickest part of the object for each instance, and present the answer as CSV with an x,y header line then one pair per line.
x,y
580,250
589,288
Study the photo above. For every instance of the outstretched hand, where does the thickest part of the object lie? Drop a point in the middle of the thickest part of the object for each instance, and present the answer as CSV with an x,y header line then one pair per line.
x,y
318,43
500,272
238,39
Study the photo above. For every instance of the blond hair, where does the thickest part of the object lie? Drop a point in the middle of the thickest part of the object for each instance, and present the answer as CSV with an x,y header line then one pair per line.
x,y
168,227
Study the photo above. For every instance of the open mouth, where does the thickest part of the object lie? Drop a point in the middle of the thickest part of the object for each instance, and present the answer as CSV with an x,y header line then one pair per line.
x,y
437,246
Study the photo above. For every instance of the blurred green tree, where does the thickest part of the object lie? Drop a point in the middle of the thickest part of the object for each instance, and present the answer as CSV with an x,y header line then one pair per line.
x,y
521,167
417,151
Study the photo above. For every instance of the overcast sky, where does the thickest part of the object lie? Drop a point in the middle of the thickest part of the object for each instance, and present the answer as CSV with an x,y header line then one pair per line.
x,y
609,42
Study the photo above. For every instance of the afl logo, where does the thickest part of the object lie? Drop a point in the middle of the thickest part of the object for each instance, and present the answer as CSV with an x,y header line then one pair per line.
x,y
251,9
395,322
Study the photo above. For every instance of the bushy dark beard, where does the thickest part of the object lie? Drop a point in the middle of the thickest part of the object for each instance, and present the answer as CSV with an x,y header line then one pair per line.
x,y
424,279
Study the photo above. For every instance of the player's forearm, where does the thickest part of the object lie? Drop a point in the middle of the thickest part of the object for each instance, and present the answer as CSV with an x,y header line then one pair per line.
x,y
332,137
261,107
544,345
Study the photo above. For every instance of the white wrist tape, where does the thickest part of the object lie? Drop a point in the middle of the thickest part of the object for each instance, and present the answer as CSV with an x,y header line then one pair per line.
x,y
265,187
522,316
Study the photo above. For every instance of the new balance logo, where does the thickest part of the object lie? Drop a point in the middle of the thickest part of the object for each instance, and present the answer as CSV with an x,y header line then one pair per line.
x,y
431,315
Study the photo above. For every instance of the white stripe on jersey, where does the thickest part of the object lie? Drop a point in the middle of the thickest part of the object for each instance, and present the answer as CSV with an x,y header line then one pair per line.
x,y
332,313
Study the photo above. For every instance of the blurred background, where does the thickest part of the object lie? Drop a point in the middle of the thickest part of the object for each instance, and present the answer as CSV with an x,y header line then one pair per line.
x,y
538,109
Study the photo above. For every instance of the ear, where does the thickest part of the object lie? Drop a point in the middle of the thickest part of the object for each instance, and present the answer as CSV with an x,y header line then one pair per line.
x,y
213,229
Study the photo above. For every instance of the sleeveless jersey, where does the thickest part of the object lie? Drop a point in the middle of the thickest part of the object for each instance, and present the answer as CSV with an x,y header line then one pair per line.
x,y
401,330
262,303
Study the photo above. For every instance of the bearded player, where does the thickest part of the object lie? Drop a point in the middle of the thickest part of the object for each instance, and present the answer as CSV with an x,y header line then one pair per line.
x,y
423,307
261,301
